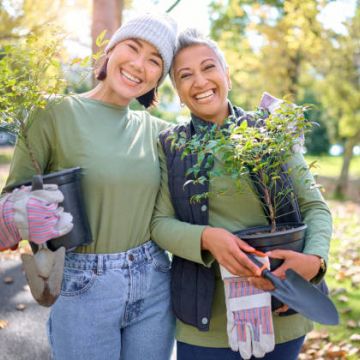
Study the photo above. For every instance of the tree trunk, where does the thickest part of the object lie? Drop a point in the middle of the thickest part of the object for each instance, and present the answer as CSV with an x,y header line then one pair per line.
x,y
293,74
342,182
107,15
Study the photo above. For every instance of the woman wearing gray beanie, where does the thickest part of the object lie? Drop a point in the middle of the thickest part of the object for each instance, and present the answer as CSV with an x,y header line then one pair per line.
x,y
115,296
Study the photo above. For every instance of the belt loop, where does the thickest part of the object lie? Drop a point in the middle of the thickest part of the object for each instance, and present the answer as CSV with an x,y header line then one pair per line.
x,y
147,252
100,265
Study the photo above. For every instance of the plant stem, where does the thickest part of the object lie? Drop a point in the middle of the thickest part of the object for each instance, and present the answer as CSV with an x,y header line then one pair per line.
x,y
268,202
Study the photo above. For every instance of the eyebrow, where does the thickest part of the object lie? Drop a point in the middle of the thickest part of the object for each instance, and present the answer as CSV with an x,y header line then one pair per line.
x,y
139,43
187,68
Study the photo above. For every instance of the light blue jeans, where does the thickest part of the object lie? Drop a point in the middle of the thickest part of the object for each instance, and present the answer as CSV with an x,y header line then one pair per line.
x,y
114,306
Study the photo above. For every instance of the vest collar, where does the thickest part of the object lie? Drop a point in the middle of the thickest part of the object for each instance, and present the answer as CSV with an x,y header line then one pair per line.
x,y
201,126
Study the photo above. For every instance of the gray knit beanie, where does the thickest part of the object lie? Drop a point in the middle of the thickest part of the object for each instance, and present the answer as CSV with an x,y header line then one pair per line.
x,y
158,30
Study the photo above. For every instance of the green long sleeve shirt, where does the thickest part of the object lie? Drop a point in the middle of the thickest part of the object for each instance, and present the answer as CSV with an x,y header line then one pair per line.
x,y
116,149
236,210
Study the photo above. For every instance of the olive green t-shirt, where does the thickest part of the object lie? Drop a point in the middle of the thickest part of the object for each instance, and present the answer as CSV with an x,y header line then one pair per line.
x,y
236,210
116,150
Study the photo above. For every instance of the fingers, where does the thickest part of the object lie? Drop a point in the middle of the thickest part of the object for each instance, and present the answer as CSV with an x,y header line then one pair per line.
x,y
234,266
280,271
49,196
279,254
261,283
282,309
64,224
244,245
50,187
226,248
245,260
23,189
229,251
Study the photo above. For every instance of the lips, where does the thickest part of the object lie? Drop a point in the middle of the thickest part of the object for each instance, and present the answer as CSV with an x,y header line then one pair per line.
x,y
130,77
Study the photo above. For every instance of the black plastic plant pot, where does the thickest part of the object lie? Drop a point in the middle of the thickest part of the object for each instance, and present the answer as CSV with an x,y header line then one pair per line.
x,y
290,236
69,182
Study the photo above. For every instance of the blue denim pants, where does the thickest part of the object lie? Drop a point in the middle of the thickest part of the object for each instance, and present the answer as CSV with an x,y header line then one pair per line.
x,y
114,306
285,351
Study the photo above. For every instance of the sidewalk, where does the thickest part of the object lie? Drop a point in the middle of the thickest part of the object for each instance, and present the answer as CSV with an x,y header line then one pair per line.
x,y
23,336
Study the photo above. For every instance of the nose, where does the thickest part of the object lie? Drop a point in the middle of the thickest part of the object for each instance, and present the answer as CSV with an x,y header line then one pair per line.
x,y
200,80
138,63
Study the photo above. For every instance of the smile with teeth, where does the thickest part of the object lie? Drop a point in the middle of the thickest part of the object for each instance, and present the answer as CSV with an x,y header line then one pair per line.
x,y
130,77
204,95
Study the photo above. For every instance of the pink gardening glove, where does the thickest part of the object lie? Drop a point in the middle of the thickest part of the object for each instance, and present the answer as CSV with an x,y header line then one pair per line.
x,y
249,319
34,215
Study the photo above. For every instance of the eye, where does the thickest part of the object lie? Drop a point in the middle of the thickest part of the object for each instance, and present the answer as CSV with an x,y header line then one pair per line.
x,y
185,75
209,66
132,46
156,62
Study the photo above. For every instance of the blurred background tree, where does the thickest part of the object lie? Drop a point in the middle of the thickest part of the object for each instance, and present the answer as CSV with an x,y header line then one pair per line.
x,y
18,18
339,90
280,46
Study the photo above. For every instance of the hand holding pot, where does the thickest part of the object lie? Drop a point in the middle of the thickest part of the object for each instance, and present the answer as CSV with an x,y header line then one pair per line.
x,y
34,215
306,265
229,251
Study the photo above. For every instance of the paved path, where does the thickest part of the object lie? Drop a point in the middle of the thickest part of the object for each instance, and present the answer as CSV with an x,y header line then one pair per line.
x,y
24,337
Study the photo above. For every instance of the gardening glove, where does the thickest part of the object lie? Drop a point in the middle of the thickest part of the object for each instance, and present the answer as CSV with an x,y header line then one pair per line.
x,y
249,320
9,234
37,215
271,104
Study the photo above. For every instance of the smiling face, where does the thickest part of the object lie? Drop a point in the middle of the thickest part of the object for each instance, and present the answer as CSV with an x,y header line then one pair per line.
x,y
134,68
202,83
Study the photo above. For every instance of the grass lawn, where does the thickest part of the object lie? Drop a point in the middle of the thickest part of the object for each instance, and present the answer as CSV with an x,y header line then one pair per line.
x,y
330,166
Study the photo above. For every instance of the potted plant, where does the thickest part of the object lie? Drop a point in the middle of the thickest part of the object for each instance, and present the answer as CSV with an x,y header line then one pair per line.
x,y
257,148
30,78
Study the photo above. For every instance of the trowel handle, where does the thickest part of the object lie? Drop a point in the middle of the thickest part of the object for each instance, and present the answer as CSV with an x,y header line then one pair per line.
x,y
252,256
37,183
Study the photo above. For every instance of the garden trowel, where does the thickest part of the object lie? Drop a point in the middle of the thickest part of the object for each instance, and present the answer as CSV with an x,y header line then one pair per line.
x,y
44,269
300,295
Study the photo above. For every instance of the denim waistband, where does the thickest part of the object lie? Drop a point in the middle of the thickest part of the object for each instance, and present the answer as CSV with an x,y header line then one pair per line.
x,y
120,260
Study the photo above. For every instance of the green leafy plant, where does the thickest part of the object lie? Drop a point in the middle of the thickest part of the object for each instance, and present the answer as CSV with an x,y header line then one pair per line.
x,y
31,75
256,146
